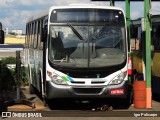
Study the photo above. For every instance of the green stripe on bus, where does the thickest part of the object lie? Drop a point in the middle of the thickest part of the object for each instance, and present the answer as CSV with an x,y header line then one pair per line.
x,y
64,78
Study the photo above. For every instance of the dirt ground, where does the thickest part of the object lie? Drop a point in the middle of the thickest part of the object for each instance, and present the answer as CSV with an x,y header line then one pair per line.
x,y
39,105
10,95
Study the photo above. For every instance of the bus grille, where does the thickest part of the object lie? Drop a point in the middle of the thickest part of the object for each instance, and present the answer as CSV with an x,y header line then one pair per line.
x,y
98,82
83,82
77,82
87,90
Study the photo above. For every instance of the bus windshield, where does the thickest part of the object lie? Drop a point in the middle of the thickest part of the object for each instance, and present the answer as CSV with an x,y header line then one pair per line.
x,y
87,44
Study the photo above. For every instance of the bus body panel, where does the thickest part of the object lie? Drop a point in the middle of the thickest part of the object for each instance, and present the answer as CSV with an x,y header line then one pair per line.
x,y
38,61
86,92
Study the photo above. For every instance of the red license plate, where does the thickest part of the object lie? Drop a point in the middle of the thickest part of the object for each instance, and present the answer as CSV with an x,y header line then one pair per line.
x,y
116,91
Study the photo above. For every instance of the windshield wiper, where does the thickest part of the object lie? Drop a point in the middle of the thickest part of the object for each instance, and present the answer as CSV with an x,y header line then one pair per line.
x,y
75,31
101,30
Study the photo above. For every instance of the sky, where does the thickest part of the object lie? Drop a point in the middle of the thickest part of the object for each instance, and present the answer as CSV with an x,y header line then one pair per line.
x,y
15,13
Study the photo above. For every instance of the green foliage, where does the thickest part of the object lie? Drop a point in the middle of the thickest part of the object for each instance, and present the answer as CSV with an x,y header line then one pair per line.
x,y
9,60
23,76
8,76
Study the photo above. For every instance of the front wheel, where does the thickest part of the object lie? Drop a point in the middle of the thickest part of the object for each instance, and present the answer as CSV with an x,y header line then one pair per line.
x,y
129,100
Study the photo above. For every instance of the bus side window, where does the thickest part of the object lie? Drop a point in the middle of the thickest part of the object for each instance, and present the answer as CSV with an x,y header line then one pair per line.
x,y
139,32
135,37
133,30
139,39
30,35
35,38
44,34
44,30
153,37
40,42
27,36
142,44
156,38
38,34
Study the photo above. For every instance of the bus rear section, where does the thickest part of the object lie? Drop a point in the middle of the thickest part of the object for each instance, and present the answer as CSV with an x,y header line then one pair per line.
x,y
86,53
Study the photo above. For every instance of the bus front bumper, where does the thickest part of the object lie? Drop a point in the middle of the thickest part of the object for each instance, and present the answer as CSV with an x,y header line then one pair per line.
x,y
86,92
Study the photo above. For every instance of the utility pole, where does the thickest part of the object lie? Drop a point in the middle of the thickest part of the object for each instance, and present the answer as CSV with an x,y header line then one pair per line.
x,y
112,3
128,20
147,6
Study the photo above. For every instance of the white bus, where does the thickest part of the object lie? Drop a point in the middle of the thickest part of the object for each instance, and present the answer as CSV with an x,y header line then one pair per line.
x,y
78,51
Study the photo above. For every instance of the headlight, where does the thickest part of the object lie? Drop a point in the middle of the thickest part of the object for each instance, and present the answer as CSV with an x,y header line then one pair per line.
x,y
118,79
56,78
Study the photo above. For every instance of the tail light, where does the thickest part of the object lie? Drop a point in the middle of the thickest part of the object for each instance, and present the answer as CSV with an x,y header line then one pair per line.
x,y
129,65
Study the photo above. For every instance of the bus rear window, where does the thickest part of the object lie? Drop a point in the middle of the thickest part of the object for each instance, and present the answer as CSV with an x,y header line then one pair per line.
x,y
86,15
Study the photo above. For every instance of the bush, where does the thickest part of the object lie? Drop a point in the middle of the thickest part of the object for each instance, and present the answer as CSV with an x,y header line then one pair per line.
x,y
23,77
8,76
9,60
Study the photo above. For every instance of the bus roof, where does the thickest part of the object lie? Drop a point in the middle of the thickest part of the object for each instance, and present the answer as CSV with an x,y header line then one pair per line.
x,y
154,18
46,12
85,6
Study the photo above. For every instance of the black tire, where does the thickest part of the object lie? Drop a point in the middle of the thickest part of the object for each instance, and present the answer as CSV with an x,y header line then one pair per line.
x,y
31,89
129,100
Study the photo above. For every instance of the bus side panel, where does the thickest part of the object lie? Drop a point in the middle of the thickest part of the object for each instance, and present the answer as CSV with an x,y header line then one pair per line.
x,y
156,73
156,84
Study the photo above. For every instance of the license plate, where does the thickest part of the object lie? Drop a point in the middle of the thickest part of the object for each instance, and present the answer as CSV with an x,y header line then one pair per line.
x,y
117,91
